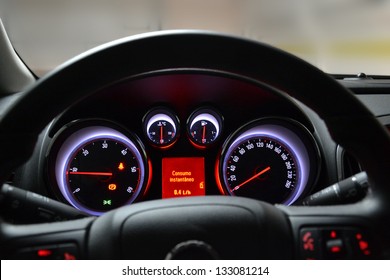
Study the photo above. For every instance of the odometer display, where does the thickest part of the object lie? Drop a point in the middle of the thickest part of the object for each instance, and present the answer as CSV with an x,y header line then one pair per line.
x,y
261,168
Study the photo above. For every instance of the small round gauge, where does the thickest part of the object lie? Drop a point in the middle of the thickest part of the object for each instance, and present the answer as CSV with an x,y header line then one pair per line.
x,y
204,127
99,169
161,128
268,162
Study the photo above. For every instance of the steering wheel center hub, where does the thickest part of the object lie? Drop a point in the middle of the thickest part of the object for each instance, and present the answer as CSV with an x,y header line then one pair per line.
x,y
192,250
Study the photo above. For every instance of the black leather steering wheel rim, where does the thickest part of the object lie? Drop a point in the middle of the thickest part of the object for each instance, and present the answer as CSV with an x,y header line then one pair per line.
x,y
344,115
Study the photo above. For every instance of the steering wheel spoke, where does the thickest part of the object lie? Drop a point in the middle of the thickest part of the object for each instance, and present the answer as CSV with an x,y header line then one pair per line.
x,y
324,232
59,240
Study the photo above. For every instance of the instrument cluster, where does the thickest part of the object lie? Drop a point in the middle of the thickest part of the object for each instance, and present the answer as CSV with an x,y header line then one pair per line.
x,y
213,139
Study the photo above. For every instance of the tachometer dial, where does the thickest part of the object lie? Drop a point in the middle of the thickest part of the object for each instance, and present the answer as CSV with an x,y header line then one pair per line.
x,y
99,169
161,128
266,161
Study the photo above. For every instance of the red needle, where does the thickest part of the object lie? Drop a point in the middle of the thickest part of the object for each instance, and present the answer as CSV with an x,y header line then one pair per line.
x,y
251,178
204,134
90,173
161,134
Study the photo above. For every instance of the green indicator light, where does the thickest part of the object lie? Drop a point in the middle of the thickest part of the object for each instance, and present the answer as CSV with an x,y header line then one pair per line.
x,y
107,202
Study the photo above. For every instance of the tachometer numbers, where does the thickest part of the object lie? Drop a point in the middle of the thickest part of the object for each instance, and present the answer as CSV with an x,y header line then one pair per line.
x,y
98,169
103,174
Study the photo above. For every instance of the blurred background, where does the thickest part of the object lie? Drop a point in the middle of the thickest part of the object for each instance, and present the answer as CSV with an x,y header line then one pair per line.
x,y
338,36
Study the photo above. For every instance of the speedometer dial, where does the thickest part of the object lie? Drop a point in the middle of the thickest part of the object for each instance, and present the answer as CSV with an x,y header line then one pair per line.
x,y
269,160
261,168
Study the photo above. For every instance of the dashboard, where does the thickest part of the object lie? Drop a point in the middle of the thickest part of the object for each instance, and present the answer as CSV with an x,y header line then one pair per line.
x,y
182,134
161,150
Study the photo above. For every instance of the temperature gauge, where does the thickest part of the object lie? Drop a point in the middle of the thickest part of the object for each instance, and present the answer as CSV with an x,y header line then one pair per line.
x,y
204,127
161,128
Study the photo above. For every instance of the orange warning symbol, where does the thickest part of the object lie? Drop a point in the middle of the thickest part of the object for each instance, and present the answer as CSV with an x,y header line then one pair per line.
x,y
121,166
112,187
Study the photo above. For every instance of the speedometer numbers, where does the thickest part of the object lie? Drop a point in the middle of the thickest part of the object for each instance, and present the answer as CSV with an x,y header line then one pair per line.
x,y
261,168
270,160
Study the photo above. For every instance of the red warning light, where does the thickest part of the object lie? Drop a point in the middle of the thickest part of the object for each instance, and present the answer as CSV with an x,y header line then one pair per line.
x,y
333,234
335,249
367,252
44,253
363,245
68,256
121,166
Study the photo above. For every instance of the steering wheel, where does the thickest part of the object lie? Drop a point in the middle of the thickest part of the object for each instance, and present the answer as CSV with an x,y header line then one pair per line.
x,y
203,227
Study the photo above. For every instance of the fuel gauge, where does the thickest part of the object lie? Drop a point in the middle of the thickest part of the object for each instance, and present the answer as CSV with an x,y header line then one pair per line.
x,y
161,128
204,127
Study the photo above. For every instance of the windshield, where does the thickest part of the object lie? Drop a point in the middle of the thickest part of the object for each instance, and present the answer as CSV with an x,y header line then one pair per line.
x,y
338,36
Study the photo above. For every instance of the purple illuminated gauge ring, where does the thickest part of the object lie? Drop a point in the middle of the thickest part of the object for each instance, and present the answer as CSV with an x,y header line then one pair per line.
x,y
77,140
289,140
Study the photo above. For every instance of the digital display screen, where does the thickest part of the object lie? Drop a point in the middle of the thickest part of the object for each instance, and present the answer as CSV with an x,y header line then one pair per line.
x,y
183,176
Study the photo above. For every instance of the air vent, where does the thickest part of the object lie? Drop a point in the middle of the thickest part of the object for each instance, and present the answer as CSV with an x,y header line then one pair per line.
x,y
347,164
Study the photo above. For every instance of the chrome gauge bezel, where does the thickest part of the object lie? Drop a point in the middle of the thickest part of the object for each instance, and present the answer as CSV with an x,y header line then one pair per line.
x,y
293,135
71,138
161,114
208,114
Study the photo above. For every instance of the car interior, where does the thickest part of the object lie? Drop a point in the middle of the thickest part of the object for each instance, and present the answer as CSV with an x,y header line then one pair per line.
x,y
192,144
